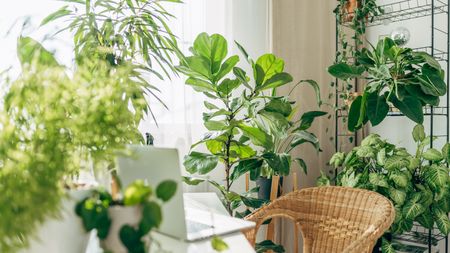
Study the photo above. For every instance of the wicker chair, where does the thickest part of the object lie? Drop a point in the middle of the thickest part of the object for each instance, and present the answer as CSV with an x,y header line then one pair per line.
x,y
331,219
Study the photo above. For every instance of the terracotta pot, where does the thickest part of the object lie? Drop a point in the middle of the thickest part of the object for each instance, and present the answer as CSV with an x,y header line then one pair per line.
x,y
349,10
64,234
120,216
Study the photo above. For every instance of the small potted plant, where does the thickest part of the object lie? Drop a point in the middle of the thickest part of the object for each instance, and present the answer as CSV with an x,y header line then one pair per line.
x,y
123,224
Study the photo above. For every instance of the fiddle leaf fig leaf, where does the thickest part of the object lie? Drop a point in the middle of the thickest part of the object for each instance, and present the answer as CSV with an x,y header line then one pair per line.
x,y
270,66
344,71
201,163
377,108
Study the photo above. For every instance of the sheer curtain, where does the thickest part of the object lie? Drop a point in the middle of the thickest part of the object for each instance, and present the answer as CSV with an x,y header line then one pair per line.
x,y
181,123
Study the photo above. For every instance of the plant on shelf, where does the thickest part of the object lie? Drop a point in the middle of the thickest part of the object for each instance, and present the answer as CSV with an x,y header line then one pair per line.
x,y
124,225
123,32
395,76
51,122
243,118
418,185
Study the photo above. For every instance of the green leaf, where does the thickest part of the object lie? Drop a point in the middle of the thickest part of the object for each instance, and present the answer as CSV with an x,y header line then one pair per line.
x,y
280,163
396,163
323,180
199,65
442,221
378,180
270,65
316,88
210,106
241,75
344,71
436,176
399,178
63,11
354,114
213,125
246,166
419,133
398,196
214,48
416,91
241,151
302,165
387,246
218,244
308,118
136,193
151,217
200,85
277,80
200,163
282,106
166,190
377,108
192,181
302,136
433,155
30,51
426,220
227,86
431,81
227,67
257,136
253,202
412,209
410,107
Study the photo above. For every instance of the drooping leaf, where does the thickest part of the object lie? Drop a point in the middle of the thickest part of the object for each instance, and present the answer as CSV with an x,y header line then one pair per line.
x,y
277,80
418,133
354,114
302,136
377,108
280,163
308,118
302,165
30,51
62,12
151,217
410,107
442,221
431,81
257,136
245,166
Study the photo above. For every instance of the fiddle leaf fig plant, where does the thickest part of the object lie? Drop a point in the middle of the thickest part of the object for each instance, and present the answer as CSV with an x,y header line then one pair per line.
x,y
395,76
418,185
250,131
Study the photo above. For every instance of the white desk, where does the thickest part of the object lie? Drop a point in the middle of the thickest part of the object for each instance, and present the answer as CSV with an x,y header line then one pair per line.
x,y
237,242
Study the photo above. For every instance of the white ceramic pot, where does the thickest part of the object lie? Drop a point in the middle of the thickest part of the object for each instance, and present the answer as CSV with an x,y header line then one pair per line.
x,y
64,234
120,216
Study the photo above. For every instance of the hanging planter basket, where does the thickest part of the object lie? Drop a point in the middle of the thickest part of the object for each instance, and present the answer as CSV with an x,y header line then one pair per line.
x,y
348,10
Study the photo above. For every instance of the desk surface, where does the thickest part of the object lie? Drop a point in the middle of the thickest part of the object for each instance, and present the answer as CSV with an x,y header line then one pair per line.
x,y
236,242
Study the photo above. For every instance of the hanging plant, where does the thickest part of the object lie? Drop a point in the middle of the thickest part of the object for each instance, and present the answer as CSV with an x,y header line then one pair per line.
x,y
395,76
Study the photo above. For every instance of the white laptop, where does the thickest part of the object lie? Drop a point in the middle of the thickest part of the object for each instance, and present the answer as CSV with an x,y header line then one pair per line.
x,y
154,165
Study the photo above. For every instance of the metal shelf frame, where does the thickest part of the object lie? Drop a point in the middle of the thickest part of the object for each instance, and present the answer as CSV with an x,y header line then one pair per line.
x,y
404,10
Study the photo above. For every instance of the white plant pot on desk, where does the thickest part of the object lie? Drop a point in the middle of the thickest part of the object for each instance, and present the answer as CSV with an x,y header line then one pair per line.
x,y
120,216
65,233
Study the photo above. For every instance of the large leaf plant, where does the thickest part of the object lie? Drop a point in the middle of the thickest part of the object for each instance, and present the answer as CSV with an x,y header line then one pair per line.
x,y
251,129
417,184
51,122
396,76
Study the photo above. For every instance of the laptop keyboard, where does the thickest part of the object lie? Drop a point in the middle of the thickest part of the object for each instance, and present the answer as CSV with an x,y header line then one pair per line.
x,y
194,226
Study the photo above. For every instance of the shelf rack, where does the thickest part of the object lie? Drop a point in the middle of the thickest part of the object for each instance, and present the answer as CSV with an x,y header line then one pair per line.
x,y
421,239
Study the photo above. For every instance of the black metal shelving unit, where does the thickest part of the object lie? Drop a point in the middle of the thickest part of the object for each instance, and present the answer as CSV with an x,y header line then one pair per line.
x,y
436,12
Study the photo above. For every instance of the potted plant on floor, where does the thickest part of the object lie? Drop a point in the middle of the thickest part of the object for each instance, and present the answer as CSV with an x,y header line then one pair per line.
x,y
418,185
242,116
124,225
396,76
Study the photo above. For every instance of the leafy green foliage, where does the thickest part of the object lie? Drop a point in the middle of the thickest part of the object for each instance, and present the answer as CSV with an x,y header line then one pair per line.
x,y
267,245
396,76
93,212
250,131
51,123
123,32
417,185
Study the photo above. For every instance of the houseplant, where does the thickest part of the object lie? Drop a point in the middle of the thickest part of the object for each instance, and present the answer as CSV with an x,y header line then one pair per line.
x,y
51,123
123,225
123,32
242,117
395,76
418,185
